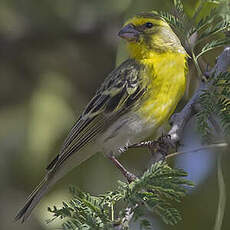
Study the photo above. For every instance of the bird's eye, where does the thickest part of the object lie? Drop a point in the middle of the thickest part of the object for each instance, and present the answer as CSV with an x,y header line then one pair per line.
x,y
148,25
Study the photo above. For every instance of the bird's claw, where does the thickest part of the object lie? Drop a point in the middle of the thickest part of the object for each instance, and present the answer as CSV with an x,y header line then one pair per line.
x,y
130,177
162,145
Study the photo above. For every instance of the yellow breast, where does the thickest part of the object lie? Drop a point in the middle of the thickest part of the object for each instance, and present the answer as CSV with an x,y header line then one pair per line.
x,y
164,75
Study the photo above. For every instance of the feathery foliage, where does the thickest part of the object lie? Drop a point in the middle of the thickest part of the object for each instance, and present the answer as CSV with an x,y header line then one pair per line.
x,y
215,101
212,45
160,185
200,36
151,193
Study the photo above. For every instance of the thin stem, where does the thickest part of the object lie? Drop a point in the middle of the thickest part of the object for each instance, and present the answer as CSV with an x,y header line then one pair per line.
x,y
198,10
112,212
211,34
195,59
222,195
211,146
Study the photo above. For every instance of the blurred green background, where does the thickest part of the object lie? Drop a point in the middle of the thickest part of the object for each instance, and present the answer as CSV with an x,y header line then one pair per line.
x,y
53,56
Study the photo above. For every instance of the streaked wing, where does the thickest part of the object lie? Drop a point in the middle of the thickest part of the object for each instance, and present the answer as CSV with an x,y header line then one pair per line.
x,y
119,92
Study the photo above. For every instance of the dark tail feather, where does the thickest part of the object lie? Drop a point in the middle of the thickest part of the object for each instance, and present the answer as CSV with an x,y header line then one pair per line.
x,y
34,198
52,176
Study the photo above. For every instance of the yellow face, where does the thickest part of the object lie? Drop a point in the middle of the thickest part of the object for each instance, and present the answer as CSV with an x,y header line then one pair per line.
x,y
149,32
147,25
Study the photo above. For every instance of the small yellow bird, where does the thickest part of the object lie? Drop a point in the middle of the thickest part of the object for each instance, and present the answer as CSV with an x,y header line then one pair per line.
x,y
133,102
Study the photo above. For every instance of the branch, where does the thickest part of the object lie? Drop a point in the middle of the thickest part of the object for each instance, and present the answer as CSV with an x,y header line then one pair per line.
x,y
179,120
125,221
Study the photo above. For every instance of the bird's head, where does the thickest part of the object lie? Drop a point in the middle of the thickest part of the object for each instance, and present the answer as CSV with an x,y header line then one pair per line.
x,y
148,33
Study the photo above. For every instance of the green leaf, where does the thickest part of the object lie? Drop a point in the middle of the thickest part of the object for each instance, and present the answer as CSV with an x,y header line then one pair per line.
x,y
173,21
222,26
213,45
215,101
204,22
169,215
155,188
151,193
178,5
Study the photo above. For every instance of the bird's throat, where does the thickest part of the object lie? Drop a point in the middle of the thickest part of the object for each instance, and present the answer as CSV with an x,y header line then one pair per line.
x,y
165,79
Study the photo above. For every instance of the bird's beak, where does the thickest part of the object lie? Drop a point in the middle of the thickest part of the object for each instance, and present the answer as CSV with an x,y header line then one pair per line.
x,y
129,33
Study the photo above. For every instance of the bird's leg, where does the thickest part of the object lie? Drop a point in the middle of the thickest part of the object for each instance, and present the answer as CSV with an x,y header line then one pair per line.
x,y
163,144
129,176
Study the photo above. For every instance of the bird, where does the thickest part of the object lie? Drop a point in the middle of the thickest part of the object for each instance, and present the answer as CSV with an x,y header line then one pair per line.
x,y
134,101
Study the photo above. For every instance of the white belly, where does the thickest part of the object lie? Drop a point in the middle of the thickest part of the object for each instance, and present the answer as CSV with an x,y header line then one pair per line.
x,y
129,129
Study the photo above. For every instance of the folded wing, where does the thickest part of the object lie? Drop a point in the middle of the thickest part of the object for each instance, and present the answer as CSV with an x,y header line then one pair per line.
x,y
120,91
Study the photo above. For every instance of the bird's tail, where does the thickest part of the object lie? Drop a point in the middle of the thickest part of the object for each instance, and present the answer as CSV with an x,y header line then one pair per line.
x,y
35,197
52,176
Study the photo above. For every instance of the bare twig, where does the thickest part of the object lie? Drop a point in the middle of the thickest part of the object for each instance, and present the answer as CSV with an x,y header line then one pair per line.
x,y
179,120
125,221
222,196
211,146
223,61
222,65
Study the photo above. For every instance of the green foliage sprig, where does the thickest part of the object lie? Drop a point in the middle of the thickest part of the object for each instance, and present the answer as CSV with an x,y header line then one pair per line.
x,y
161,185
215,101
200,36
151,193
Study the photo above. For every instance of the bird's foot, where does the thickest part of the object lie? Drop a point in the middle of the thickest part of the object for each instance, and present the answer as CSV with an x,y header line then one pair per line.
x,y
130,176
162,145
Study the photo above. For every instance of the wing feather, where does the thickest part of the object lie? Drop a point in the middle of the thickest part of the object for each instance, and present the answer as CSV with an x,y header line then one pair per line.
x,y
120,91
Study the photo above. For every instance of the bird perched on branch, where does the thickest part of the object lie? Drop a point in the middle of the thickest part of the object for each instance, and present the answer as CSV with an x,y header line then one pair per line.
x,y
133,102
